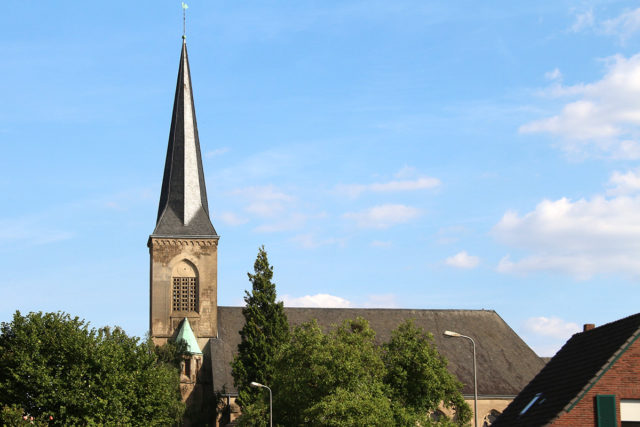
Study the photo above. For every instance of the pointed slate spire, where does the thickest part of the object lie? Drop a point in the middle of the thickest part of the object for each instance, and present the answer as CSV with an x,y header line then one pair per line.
x,y
186,334
183,209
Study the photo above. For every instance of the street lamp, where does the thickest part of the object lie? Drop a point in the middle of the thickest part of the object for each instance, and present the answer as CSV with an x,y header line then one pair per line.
x,y
255,384
475,377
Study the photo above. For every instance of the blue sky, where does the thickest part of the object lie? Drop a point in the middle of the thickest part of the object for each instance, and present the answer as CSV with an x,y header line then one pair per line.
x,y
387,154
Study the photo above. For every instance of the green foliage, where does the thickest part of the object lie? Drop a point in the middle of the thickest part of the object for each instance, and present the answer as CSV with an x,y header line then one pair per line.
x,y
256,414
366,405
331,379
417,377
339,378
54,365
265,329
14,416
343,378
172,353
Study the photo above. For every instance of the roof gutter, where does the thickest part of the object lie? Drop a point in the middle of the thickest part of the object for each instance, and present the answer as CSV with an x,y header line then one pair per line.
x,y
491,396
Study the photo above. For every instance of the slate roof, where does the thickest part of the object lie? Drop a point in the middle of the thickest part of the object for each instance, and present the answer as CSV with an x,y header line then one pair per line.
x,y
505,362
571,373
183,209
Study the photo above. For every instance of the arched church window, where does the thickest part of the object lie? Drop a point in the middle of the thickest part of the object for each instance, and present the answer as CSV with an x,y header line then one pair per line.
x,y
185,287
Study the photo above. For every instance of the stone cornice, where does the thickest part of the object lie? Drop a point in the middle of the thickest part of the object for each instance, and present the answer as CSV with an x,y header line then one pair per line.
x,y
167,241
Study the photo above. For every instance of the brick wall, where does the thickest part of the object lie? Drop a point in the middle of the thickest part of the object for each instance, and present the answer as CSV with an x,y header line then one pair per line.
x,y
621,380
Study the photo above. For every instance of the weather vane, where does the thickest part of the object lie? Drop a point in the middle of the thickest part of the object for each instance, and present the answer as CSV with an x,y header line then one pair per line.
x,y
184,20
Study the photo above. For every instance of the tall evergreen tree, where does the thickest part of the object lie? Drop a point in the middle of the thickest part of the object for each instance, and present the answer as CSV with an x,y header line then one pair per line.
x,y
265,329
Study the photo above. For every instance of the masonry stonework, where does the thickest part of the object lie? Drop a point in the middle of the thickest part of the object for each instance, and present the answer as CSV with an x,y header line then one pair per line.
x,y
166,254
488,408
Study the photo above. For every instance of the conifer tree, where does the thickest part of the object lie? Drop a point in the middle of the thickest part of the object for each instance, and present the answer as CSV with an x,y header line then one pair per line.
x,y
265,329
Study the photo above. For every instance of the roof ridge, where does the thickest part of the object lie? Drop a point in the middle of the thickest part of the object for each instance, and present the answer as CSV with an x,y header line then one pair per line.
x,y
612,323
481,310
605,367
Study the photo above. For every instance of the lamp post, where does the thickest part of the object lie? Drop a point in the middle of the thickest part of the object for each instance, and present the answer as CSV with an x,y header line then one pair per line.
x,y
475,377
255,384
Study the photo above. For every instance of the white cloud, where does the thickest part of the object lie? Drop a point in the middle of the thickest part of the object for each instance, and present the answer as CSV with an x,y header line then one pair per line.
x,y
582,20
555,74
265,208
354,190
310,241
624,183
547,334
318,300
605,118
383,216
416,184
581,238
216,152
406,172
579,120
332,301
623,26
553,327
381,244
580,266
406,179
29,231
231,219
264,201
462,260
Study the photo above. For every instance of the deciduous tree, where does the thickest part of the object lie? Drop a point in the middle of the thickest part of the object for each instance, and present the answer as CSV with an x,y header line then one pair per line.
x,y
417,378
343,378
331,379
53,365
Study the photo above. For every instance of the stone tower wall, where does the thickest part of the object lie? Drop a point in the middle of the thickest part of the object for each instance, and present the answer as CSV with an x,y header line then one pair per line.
x,y
166,254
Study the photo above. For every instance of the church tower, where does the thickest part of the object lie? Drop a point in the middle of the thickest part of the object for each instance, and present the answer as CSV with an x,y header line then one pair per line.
x,y
183,246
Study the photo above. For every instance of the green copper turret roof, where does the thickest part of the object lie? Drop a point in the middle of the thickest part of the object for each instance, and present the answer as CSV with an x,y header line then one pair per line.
x,y
185,333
